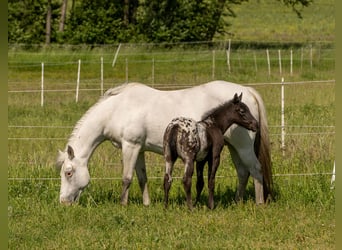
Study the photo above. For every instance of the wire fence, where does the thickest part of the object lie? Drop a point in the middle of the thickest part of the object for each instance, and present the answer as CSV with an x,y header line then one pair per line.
x,y
323,130
167,69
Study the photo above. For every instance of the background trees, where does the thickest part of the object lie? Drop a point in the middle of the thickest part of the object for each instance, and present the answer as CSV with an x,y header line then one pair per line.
x,y
110,21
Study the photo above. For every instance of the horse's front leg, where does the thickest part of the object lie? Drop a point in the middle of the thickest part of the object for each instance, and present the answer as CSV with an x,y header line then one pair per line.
x,y
187,181
130,153
140,168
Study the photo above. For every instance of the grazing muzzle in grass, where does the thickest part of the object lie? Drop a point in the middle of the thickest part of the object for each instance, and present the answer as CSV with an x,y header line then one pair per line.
x,y
74,177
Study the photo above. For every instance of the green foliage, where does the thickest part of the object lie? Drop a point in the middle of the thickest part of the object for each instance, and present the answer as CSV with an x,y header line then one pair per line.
x,y
27,20
108,22
97,22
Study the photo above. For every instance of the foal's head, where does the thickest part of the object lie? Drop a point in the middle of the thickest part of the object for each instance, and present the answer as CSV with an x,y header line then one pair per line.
x,y
241,114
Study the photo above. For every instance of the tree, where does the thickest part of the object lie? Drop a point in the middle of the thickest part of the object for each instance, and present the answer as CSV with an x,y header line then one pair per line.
x,y
63,15
48,24
112,21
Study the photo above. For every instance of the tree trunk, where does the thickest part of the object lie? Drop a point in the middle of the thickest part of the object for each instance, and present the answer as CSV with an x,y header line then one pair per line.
x,y
126,12
48,24
63,15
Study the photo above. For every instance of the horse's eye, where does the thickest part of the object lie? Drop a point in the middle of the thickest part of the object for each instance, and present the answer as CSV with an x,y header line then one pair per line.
x,y
68,174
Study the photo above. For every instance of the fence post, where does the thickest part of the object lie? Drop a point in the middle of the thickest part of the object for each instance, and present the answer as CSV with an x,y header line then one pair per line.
x,y
228,56
42,87
311,56
116,55
213,69
101,75
126,61
279,55
78,79
282,116
291,63
268,62
153,71
255,62
301,59
332,178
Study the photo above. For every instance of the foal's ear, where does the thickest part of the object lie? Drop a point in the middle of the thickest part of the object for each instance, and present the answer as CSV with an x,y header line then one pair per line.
x,y
237,98
70,151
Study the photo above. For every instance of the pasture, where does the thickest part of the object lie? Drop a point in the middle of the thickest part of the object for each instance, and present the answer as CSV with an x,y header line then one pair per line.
x,y
302,216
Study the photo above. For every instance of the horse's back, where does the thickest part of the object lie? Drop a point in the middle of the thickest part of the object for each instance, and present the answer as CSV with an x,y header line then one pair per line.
x,y
141,113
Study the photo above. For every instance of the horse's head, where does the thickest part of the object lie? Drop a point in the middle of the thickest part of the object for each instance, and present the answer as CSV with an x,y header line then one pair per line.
x,y
243,116
74,176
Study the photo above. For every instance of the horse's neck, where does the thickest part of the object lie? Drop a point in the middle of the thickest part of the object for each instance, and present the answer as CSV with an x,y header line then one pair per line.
x,y
86,137
220,121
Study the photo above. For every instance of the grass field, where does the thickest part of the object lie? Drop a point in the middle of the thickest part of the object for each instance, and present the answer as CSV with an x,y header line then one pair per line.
x,y
301,217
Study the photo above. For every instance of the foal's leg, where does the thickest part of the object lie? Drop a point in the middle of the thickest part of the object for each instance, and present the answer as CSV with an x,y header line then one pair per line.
x,y
140,169
187,181
200,180
130,154
214,164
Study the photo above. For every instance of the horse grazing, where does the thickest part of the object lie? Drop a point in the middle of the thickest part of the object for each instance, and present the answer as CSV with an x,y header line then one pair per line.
x,y
202,142
134,117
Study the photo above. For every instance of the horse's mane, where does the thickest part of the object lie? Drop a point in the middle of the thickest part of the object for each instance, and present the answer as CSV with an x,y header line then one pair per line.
x,y
110,92
215,109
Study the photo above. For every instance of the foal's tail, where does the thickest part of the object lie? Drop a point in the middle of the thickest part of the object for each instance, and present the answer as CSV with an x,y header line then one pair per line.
x,y
262,147
169,142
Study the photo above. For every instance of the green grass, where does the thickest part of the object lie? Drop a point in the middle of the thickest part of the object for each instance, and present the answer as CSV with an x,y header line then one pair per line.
x,y
280,24
301,217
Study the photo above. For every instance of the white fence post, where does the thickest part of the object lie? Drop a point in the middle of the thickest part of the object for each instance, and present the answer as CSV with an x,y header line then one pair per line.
x,y
332,178
116,55
78,79
291,63
282,116
279,56
101,75
228,56
213,67
153,71
126,70
42,87
268,62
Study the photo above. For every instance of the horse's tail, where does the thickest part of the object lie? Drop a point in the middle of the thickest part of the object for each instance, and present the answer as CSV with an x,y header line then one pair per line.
x,y
262,147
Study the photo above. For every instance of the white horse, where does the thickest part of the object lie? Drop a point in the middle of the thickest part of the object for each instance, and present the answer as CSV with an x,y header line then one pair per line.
x,y
134,117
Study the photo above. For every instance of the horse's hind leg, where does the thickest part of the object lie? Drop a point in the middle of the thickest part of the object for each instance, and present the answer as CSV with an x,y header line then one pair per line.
x,y
130,154
200,180
242,173
167,181
140,169
248,165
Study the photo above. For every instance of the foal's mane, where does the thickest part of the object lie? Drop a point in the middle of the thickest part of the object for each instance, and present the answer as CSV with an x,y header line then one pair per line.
x,y
212,111
110,92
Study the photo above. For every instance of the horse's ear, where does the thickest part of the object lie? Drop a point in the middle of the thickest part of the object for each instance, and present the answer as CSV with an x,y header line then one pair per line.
x,y
240,97
60,159
70,151
236,98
